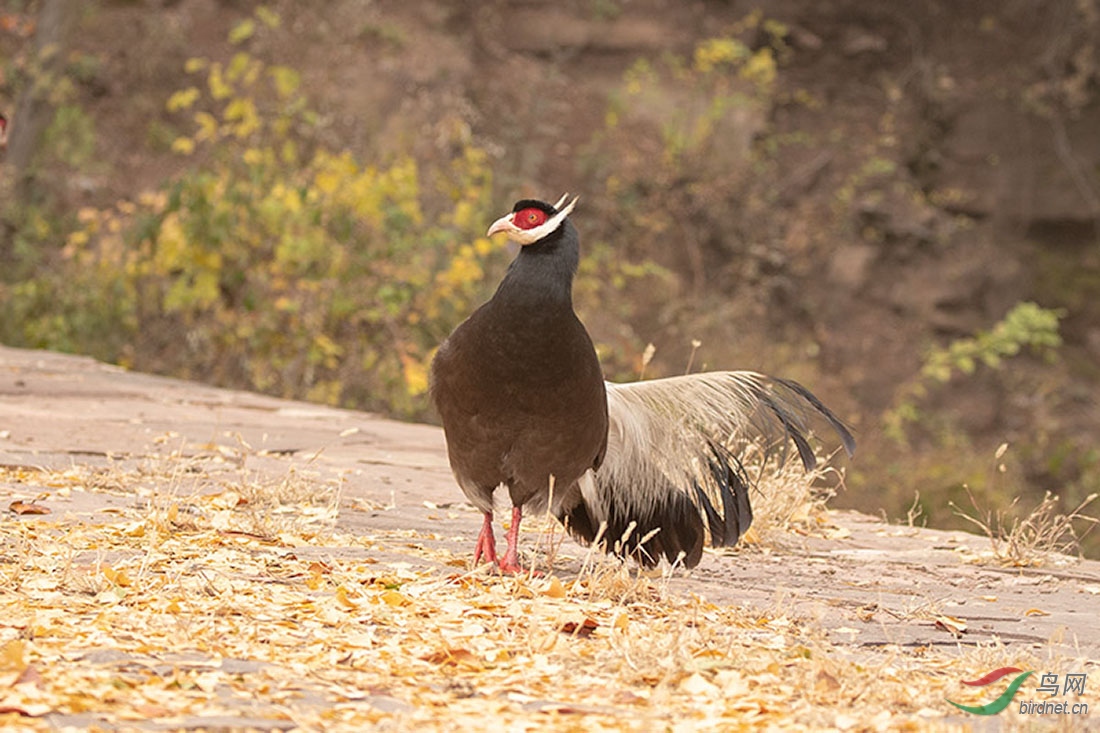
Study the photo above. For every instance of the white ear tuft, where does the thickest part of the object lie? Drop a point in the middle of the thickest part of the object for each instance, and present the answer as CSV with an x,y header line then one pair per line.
x,y
568,208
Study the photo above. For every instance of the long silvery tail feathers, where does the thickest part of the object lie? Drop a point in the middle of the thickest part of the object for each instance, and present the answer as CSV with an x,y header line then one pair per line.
x,y
671,476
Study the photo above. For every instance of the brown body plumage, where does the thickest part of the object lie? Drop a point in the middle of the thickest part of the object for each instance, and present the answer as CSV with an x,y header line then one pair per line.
x,y
519,388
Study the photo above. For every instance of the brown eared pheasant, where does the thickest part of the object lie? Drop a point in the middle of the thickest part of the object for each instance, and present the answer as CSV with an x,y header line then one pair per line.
x,y
647,469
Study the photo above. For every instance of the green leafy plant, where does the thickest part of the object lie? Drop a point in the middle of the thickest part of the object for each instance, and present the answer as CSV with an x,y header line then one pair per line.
x,y
1026,326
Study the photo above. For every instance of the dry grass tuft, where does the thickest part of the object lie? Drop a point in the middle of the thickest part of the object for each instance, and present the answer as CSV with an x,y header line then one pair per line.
x,y
788,500
1045,535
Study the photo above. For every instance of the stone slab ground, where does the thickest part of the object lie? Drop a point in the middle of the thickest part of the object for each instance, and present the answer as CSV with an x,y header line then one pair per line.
x,y
870,586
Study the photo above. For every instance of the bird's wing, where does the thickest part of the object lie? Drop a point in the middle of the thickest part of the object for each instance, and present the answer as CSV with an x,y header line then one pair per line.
x,y
672,457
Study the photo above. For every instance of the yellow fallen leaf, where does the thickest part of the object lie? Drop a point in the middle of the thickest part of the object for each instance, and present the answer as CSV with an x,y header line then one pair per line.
x,y
119,577
556,589
207,681
696,684
825,682
454,657
29,710
228,499
11,655
343,599
150,711
393,598
27,507
956,626
12,663
1036,612
621,621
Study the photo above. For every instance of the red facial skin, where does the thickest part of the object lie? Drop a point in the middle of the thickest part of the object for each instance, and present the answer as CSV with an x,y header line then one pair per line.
x,y
529,218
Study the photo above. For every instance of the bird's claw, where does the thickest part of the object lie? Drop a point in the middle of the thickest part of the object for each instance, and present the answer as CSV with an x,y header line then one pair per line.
x,y
486,551
486,544
486,547
510,568
510,565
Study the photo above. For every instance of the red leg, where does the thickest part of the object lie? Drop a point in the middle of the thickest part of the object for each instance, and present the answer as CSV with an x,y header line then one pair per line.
x,y
510,563
486,543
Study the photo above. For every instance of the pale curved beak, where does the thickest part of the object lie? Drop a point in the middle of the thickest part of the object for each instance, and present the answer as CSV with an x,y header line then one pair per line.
x,y
503,224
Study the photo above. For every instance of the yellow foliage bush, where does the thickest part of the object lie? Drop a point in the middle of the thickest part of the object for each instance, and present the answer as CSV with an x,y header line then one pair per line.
x,y
310,275
277,263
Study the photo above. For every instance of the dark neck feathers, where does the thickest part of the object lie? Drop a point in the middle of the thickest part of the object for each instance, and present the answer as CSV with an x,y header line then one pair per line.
x,y
542,273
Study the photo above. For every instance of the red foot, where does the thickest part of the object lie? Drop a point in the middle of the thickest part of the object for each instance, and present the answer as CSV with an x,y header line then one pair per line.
x,y
510,563
510,568
486,544
487,547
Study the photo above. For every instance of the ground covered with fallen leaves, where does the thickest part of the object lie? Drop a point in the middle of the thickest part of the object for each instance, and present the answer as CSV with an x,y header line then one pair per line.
x,y
208,597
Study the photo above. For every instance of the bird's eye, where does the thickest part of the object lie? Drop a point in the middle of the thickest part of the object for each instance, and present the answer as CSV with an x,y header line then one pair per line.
x,y
529,218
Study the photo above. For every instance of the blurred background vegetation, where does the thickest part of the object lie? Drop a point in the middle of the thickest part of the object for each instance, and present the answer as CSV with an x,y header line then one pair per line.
x,y
897,204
